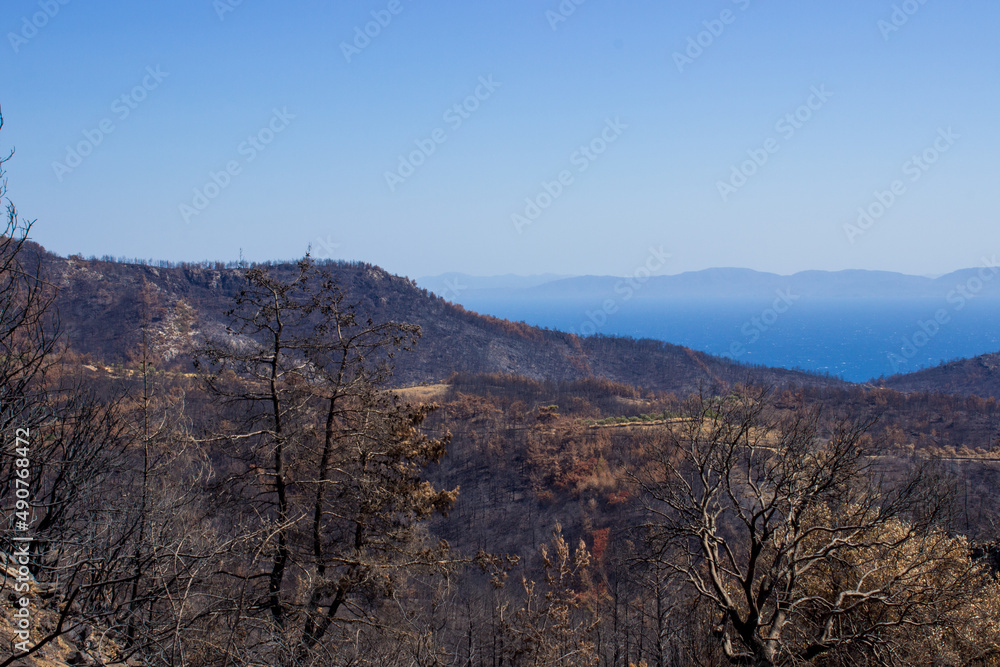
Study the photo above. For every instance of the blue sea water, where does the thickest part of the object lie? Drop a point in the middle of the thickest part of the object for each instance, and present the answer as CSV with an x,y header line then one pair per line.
x,y
856,339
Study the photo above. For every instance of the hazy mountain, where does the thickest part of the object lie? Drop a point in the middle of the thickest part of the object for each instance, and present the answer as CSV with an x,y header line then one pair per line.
x,y
743,284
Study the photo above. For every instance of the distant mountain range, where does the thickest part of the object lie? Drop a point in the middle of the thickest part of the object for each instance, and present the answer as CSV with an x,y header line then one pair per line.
x,y
723,284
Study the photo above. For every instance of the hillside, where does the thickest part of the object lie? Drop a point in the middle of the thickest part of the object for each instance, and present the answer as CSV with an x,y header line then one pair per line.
x,y
103,305
978,376
533,443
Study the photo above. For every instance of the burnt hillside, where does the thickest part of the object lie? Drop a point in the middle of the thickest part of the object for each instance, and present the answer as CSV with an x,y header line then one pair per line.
x,y
978,376
106,308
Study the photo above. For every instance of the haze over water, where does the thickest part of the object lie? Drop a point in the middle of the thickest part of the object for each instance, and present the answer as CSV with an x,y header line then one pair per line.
x,y
857,340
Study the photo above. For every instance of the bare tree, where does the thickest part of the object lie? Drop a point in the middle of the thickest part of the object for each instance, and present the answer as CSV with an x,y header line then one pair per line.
x,y
28,335
98,520
799,539
28,327
323,454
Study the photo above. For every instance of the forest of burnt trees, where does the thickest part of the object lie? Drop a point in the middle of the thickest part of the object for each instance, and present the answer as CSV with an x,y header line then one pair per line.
x,y
280,505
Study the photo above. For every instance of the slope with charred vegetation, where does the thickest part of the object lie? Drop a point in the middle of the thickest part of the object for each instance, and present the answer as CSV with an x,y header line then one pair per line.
x,y
978,376
107,307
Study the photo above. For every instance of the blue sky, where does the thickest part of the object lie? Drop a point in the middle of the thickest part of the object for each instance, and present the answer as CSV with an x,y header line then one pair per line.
x,y
251,127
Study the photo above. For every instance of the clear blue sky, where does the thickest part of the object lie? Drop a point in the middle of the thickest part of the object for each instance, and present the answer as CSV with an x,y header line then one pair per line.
x,y
678,131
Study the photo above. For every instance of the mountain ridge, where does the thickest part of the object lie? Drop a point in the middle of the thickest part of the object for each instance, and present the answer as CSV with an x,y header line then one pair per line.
x,y
742,283
975,376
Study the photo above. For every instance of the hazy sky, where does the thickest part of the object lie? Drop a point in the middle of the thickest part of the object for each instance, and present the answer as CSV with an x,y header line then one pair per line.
x,y
496,137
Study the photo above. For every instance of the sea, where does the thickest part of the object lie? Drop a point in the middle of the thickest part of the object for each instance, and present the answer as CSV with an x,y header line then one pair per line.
x,y
854,339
